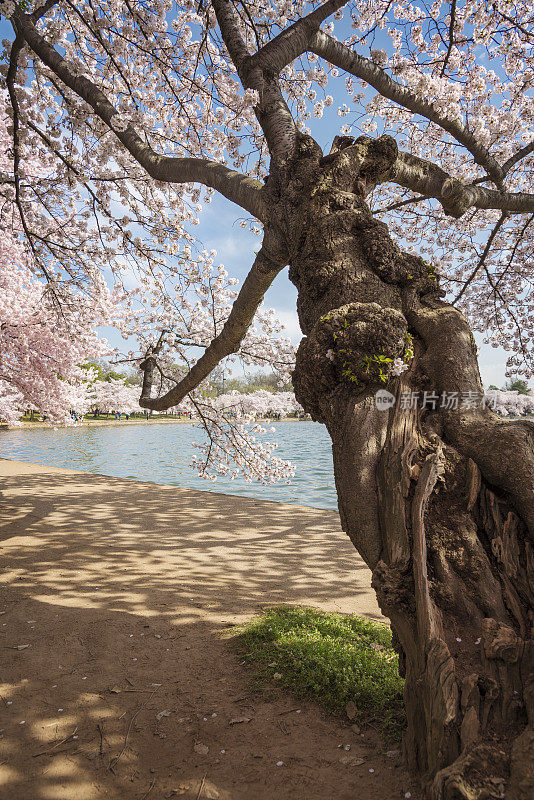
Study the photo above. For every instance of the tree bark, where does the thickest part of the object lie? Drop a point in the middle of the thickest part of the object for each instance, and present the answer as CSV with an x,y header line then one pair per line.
x,y
439,500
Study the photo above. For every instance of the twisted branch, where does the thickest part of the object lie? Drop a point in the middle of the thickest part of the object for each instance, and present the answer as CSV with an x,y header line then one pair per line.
x,y
240,189
264,270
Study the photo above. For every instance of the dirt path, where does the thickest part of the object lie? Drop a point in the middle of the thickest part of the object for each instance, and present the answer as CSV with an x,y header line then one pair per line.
x,y
115,604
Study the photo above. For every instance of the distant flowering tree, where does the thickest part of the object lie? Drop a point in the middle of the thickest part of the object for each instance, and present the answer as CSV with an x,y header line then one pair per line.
x,y
114,395
510,403
139,111
41,344
260,403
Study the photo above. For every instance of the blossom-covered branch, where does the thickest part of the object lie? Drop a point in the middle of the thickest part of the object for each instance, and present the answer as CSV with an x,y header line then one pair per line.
x,y
272,111
240,189
304,36
339,55
263,272
456,196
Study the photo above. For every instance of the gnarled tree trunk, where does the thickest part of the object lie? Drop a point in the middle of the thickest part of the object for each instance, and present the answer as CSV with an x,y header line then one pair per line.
x,y
438,501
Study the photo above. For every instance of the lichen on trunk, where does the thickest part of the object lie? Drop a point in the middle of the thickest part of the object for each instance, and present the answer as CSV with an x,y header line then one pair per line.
x,y
439,499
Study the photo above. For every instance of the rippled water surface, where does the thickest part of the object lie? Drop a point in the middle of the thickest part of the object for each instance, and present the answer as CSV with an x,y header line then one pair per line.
x,y
161,452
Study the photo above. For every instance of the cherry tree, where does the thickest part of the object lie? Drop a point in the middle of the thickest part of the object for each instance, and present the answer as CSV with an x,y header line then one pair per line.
x,y
114,395
260,403
510,403
41,346
47,329
401,240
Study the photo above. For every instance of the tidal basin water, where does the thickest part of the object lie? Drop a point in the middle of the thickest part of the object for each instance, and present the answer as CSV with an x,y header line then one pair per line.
x,y
161,453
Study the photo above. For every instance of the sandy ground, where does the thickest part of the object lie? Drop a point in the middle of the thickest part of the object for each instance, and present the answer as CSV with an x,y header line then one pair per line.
x,y
117,676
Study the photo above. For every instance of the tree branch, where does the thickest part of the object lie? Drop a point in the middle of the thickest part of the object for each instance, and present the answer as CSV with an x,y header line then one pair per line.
x,y
41,10
272,111
305,35
293,41
263,272
522,153
231,35
514,248
400,204
424,178
339,54
240,189
455,196
482,258
16,50
451,38
96,200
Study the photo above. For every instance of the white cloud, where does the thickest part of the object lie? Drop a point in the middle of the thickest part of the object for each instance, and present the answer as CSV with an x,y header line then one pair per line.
x,y
290,321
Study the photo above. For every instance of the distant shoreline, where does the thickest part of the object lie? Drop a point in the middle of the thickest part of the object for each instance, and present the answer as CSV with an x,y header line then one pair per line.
x,y
91,423
87,423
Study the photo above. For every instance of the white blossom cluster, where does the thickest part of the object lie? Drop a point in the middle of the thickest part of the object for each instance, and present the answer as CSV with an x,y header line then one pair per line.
x,y
7,8
510,403
234,447
259,403
112,395
398,367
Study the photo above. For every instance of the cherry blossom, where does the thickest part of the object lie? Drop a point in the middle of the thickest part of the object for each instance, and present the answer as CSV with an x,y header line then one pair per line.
x,y
42,346
113,395
510,403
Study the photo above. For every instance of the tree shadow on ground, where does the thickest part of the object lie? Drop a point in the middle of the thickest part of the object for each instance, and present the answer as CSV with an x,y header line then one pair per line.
x,y
144,545
121,585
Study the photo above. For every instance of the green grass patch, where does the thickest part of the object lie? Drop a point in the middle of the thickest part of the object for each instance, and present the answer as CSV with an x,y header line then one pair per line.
x,y
329,658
